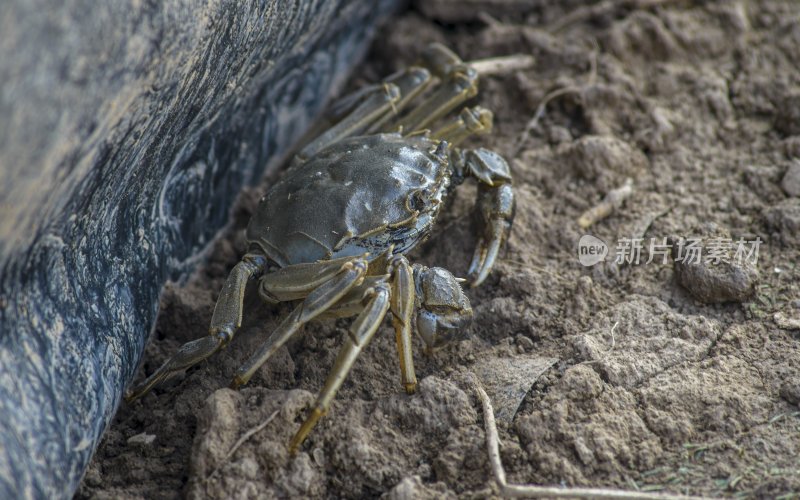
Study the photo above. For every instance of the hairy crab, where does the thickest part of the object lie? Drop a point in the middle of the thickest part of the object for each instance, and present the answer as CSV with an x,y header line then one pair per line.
x,y
333,233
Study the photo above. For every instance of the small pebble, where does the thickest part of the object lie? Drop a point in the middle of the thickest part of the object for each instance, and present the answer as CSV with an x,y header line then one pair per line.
x,y
524,342
791,146
730,280
784,219
559,135
786,322
787,119
791,180
319,457
790,391
412,488
143,438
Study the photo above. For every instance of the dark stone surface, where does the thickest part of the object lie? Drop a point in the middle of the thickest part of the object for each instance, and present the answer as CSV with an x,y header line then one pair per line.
x,y
711,280
783,219
127,130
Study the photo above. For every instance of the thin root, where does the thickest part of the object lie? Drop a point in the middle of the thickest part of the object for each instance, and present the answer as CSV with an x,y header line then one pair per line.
x,y
591,79
608,351
532,491
247,435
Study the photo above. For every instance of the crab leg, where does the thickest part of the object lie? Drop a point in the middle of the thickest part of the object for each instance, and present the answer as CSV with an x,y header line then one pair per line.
x,y
402,304
352,303
298,280
470,121
361,332
226,320
440,60
317,302
375,105
401,281
459,83
368,110
436,59
358,110
411,82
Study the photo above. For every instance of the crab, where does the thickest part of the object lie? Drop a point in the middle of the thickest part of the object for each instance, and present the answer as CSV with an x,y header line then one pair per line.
x,y
333,234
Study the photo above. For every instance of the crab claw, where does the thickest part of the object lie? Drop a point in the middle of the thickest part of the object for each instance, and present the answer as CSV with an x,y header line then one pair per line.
x,y
443,310
495,213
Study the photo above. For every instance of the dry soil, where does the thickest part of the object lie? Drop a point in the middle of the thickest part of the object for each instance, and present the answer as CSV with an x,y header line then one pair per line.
x,y
651,387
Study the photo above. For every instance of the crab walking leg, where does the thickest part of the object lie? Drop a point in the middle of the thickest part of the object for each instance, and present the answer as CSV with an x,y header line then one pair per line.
x,y
459,83
352,303
361,332
470,121
356,114
298,280
344,105
411,82
458,87
374,106
316,303
226,320
402,304
436,59
440,60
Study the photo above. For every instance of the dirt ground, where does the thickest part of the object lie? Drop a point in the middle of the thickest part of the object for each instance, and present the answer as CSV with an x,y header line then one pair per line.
x,y
650,389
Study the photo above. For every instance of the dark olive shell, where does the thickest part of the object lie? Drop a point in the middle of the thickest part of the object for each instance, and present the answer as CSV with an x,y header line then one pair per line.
x,y
361,194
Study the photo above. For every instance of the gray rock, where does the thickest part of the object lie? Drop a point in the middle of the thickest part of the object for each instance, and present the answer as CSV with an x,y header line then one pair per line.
x,y
508,380
790,391
784,219
791,180
128,128
714,277
791,146
787,116
412,488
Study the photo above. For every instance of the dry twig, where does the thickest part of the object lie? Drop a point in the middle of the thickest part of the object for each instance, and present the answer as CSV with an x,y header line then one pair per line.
x,y
502,65
572,89
532,491
786,322
611,202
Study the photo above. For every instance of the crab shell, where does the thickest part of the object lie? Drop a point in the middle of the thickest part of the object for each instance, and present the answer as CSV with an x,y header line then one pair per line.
x,y
364,194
